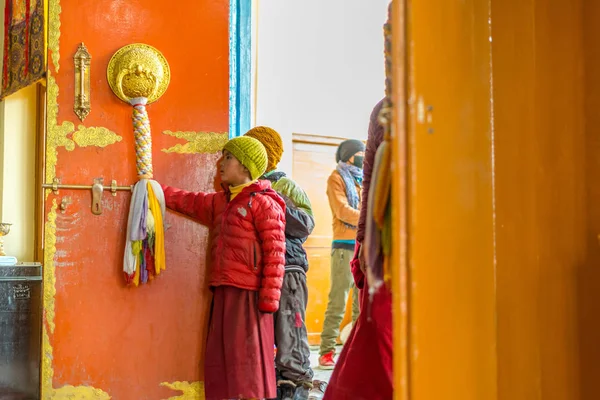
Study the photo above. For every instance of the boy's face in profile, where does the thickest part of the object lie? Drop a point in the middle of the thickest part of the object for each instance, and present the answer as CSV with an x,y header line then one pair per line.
x,y
233,173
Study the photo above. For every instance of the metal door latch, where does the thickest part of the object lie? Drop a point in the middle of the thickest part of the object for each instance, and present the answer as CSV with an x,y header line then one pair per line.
x,y
97,190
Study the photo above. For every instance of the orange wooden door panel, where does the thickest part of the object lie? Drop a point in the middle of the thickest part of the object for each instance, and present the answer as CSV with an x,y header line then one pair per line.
x,y
127,341
542,284
588,277
451,220
502,147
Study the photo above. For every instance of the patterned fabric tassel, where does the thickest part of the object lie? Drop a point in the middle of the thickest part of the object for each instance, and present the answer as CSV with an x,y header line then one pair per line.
x,y
159,234
144,250
143,137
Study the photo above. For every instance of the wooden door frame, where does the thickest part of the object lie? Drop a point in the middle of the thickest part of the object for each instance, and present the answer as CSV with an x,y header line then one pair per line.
x,y
309,138
40,171
240,66
400,202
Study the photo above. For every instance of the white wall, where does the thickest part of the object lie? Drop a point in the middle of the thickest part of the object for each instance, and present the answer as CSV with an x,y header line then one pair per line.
x,y
320,67
17,171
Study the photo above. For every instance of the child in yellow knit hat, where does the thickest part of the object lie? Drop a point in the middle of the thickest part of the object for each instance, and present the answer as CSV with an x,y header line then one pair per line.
x,y
293,352
247,221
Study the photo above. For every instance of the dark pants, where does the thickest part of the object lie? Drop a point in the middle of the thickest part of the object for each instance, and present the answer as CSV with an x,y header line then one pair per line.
x,y
291,337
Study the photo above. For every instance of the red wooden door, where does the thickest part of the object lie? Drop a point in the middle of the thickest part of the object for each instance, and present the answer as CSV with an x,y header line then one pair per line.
x,y
102,338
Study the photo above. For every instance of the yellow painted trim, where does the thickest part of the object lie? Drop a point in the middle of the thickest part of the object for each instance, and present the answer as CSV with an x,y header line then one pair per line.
x,y
56,135
80,393
197,142
54,10
95,136
190,391
49,292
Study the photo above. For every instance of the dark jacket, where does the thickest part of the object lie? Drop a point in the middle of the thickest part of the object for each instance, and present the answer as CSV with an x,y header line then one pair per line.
x,y
299,220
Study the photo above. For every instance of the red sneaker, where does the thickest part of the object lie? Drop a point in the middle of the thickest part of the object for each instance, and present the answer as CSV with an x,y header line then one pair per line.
x,y
326,361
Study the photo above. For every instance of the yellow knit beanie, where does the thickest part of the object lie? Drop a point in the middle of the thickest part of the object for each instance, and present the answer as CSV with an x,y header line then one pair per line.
x,y
272,142
250,153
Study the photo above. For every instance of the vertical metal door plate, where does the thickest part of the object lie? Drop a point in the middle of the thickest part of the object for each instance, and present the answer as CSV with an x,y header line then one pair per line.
x,y
97,189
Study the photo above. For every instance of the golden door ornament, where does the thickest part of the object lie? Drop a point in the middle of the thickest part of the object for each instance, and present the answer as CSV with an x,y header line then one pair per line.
x,y
138,70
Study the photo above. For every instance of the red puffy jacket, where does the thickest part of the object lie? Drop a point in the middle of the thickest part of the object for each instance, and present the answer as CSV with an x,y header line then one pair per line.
x,y
248,246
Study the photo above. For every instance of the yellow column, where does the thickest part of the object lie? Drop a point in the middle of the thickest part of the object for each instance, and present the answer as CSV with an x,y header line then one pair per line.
x,y
448,170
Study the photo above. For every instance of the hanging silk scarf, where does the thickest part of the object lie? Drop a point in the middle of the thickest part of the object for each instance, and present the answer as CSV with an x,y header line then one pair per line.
x,y
144,256
139,74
